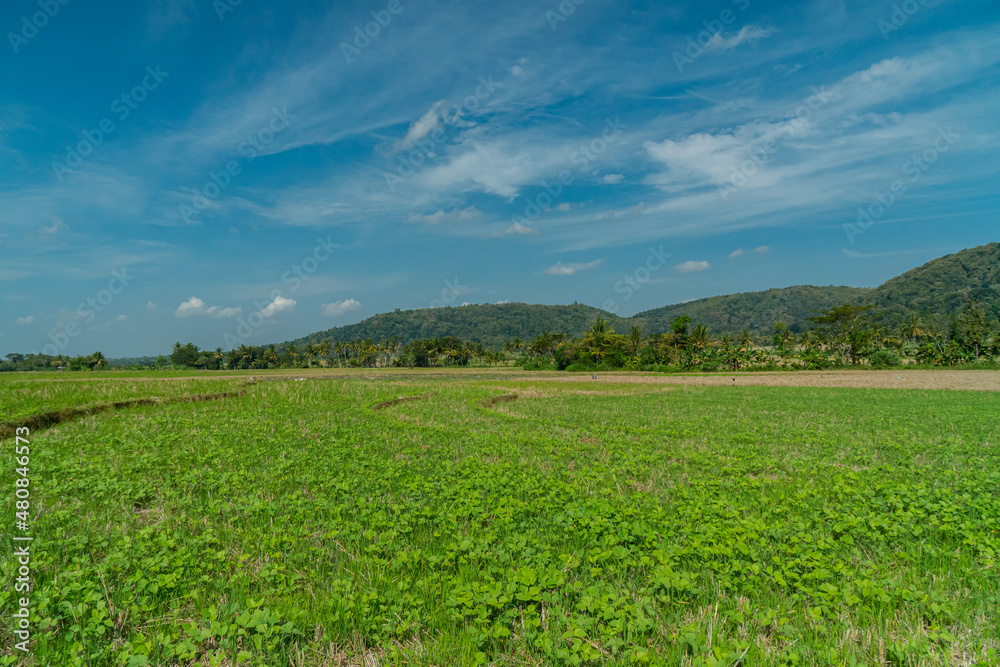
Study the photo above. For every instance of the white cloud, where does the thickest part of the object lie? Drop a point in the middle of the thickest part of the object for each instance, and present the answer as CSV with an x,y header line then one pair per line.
x,y
24,321
505,301
692,267
736,253
216,311
561,269
467,214
496,168
279,305
338,308
518,228
613,179
427,123
762,250
151,306
57,226
565,206
121,318
195,306
746,33
697,156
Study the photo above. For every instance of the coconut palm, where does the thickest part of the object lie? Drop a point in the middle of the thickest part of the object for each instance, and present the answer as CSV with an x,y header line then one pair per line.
x,y
700,338
635,340
914,328
323,349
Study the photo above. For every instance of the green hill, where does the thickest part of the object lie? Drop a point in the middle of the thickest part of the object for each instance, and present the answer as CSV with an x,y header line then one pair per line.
x,y
936,290
942,286
756,311
489,324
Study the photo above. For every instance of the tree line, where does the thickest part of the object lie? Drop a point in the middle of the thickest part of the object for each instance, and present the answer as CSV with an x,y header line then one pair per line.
x,y
842,336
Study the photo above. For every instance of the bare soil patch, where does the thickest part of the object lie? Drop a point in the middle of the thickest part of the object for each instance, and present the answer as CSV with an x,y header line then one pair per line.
x,y
904,379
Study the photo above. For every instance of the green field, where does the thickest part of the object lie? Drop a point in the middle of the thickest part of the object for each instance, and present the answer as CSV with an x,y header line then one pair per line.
x,y
507,521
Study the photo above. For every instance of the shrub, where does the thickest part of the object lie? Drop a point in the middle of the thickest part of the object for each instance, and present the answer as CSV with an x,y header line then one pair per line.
x,y
580,368
884,359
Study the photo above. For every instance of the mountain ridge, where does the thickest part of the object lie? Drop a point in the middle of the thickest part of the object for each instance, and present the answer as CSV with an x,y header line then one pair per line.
x,y
934,290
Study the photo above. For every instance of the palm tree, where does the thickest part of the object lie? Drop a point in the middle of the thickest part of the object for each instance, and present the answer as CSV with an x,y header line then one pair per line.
x,y
599,333
635,340
291,354
271,354
700,338
323,349
542,344
97,361
914,328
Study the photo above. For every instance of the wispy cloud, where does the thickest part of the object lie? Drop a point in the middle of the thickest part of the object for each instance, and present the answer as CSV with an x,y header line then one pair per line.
x,y
560,269
467,214
747,33
519,229
692,267
195,306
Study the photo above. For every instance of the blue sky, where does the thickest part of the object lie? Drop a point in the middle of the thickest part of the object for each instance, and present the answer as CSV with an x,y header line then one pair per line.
x,y
223,172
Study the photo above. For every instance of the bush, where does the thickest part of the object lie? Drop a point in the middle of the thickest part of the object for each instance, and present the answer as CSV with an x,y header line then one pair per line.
x,y
580,368
538,366
884,359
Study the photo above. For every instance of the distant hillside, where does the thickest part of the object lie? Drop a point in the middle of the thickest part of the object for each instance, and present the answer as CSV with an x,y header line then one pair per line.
x,y
756,311
937,289
942,286
489,324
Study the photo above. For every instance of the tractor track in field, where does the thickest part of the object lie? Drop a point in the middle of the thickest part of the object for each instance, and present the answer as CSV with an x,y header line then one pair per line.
x,y
503,398
44,420
382,405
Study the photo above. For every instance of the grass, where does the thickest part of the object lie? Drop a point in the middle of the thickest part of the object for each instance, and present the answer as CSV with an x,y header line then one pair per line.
x,y
328,522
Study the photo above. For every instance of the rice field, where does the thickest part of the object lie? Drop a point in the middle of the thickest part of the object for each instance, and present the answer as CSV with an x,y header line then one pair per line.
x,y
492,519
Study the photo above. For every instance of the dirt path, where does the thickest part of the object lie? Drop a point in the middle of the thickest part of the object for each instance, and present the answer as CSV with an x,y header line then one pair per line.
x,y
931,379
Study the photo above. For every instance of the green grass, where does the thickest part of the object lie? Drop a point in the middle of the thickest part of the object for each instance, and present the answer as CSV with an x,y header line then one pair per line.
x,y
575,524
23,397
